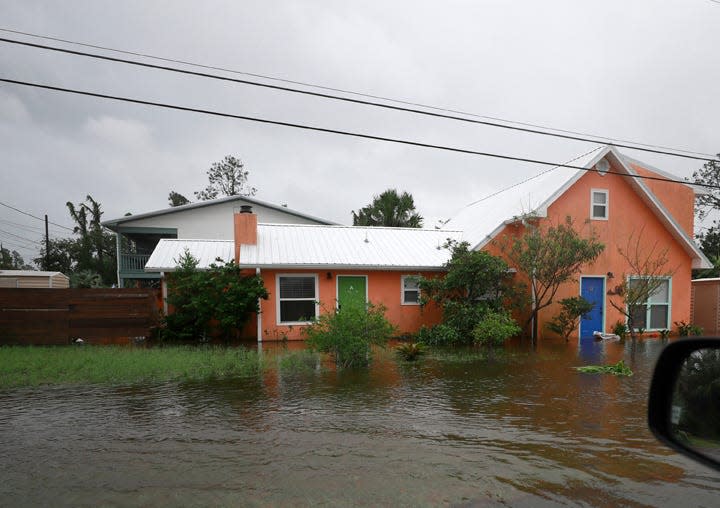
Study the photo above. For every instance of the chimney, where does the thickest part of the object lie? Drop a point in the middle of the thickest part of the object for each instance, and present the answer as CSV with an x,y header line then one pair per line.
x,y
245,229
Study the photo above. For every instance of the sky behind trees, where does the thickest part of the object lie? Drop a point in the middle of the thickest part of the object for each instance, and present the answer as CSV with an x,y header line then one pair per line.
x,y
642,71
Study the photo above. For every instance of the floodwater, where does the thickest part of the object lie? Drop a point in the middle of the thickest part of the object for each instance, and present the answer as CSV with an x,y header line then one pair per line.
x,y
522,430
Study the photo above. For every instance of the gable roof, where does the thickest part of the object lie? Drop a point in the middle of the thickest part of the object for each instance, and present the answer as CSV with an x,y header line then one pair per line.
x,y
322,247
114,223
483,220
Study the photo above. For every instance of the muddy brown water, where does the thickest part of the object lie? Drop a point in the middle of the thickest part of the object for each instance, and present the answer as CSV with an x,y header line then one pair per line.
x,y
523,430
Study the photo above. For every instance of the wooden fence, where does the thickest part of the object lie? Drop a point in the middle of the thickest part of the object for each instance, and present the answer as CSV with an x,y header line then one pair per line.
x,y
58,316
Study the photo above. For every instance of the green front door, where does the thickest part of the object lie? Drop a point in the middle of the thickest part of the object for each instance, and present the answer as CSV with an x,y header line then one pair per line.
x,y
351,289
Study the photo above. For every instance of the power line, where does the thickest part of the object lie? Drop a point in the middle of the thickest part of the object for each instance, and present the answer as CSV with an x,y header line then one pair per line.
x,y
33,216
345,91
528,179
643,148
24,239
340,132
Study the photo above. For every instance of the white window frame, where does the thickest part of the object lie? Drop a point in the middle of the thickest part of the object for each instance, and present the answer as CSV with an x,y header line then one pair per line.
x,y
278,314
649,305
593,204
403,278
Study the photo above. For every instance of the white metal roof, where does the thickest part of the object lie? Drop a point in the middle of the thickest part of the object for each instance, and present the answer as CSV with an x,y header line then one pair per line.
x,y
312,246
168,252
484,219
29,273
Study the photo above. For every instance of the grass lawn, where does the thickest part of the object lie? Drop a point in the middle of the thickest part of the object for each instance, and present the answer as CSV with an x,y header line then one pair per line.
x,y
32,366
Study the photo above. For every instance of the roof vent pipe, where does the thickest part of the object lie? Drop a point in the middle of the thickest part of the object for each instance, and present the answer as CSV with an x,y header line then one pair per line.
x,y
245,209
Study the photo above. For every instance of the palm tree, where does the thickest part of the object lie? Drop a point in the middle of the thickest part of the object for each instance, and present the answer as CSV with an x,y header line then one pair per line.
x,y
389,209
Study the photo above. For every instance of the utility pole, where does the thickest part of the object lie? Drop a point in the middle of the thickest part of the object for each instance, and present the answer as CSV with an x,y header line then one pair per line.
x,y
47,245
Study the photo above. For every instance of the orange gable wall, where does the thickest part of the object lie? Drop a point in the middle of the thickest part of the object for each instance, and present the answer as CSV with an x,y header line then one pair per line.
x,y
678,199
628,215
383,287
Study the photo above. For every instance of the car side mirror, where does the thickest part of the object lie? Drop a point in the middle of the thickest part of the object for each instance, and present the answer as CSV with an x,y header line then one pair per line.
x,y
684,401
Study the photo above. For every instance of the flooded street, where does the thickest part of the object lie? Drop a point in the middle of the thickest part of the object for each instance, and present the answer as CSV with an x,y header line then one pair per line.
x,y
523,430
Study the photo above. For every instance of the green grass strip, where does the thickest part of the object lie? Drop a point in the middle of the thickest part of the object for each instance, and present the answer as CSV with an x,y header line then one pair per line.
x,y
33,366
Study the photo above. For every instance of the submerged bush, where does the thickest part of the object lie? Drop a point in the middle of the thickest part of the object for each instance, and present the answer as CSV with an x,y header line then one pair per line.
x,y
410,351
440,335
495,328
567,321
348,334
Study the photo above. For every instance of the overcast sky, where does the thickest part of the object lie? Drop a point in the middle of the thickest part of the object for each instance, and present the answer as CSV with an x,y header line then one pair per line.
x,y
640,70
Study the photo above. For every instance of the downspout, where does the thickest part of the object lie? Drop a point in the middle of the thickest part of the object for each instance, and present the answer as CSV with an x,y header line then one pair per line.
x,y
259,313
163,286
117,256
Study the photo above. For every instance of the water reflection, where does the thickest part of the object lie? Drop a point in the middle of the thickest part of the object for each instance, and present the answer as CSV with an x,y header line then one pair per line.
x,y
524,429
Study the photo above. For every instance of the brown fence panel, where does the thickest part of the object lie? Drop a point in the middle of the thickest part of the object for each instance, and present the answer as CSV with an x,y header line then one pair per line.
x,y
56,316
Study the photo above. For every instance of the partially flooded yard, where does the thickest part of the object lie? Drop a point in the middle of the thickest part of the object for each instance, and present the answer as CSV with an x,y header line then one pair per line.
x,y
452,429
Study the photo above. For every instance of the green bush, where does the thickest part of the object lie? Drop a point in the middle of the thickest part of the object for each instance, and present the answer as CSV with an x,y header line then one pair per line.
x,y
567,321
495,328
688,329
348,334
410,351
440,335
620,329
215,301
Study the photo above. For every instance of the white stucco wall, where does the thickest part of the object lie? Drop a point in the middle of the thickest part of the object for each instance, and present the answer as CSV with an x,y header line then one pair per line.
x,y
213,222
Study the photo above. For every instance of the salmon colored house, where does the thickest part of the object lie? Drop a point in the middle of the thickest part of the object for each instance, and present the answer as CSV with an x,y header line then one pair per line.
x,y
309,269
603,194
312,269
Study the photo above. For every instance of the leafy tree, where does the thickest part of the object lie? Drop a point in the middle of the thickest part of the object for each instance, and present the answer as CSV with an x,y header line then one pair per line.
x,y
549,257
350,333
648,268
85,279
177,199
12,260
709,175
567,320
389,209
227,178
471,291
217,300
93,248
710,245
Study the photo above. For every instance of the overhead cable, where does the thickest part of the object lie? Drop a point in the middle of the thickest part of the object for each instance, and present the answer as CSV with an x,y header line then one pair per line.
x,y
341,132
34,216
605,139
350,100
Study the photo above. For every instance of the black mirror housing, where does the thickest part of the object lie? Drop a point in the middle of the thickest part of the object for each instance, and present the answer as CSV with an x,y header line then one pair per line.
x,y
664,392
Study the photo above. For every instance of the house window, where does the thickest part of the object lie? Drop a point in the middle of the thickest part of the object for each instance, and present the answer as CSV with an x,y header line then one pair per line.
x,y
297,298
599,204
655,313
410,290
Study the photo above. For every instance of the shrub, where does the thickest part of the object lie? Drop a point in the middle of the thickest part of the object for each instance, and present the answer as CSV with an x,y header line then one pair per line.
x,y
620,329
410,351
495,328
218,299
687,329
349,334
440,335
567,321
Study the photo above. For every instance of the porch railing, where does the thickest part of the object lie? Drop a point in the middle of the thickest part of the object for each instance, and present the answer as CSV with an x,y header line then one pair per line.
x,y
133,262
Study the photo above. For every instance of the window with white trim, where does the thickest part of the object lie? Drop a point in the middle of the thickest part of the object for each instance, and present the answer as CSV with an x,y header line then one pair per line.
x,y
410,290
297,298
655,313
599,204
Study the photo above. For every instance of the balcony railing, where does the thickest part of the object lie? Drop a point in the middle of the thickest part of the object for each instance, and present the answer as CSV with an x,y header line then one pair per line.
x,y
133,262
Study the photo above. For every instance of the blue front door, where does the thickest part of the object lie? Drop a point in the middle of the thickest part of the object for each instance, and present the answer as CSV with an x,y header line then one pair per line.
x,y
593,290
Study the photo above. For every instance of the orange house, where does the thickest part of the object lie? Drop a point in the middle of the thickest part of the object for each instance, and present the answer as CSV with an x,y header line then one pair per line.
x,y
604,194
312,269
